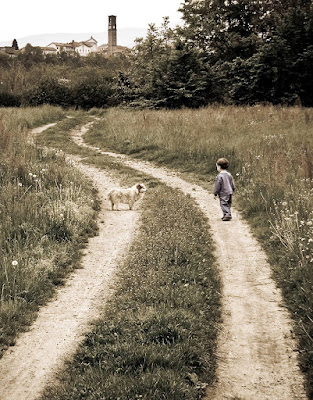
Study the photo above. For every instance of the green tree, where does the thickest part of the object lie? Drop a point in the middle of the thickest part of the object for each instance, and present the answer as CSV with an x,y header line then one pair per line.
x,y
166,71
30,56
185,79
258,50
225,29
14,44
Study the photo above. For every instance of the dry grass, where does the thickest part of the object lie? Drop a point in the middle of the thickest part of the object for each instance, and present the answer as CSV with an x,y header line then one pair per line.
x,y
157,337
271,157
46,214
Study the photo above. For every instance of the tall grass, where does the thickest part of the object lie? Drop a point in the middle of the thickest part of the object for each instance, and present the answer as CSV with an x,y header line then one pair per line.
x,y
46,214
157,337
271,157
30,117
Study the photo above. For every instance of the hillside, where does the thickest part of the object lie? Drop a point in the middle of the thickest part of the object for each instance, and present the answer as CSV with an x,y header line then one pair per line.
x,y
125,37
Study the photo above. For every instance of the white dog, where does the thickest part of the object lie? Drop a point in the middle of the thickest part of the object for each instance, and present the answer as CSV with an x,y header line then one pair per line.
x,y
127,196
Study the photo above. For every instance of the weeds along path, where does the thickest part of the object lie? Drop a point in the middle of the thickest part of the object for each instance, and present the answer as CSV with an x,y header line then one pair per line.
x,y
256,350
27,367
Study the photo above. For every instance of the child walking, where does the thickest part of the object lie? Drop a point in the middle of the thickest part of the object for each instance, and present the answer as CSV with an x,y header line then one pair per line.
x,y
224,188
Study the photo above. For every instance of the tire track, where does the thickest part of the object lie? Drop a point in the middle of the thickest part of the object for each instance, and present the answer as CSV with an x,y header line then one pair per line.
x,y
31,364
257,351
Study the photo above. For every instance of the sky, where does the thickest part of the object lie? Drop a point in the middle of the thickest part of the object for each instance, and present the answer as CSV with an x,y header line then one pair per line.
x,y
32,17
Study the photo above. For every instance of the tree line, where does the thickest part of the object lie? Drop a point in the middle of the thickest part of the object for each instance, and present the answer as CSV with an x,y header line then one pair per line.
x,y
240,52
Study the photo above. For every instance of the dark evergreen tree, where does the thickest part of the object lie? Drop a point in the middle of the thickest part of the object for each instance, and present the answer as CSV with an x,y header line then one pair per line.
x,y
168,72
259,50
14,44
226,29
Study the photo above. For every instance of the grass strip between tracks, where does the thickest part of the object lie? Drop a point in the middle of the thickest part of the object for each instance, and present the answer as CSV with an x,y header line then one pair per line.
x,y
157,337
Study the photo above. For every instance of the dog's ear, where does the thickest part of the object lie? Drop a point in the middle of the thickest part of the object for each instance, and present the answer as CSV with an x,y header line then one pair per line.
x,y
138,186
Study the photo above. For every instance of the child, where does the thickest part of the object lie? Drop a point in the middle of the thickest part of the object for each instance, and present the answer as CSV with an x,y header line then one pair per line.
x,y
224,188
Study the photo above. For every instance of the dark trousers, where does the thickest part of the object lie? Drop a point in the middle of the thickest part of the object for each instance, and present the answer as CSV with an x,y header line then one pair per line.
x,y
225,202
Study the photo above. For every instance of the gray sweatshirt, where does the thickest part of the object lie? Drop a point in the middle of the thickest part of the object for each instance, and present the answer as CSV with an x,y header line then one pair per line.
x,y
224,184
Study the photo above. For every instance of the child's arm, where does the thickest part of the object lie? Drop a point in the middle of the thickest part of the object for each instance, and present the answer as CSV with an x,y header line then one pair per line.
x,y
217,186
232,184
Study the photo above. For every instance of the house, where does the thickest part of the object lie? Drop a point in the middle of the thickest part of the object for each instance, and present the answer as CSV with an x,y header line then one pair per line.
x,y
105,51
49,50
90,46
87,47
56,48
82,48
9,51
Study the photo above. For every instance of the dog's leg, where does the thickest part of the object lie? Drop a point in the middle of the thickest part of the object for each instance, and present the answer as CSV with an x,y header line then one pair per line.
x,y
131,203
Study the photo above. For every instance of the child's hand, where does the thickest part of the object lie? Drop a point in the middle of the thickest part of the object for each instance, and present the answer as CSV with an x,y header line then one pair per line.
x,y
215,197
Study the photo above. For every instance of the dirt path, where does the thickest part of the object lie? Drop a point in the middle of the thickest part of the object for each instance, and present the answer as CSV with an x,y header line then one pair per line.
x,y
257,352
257,358
27,367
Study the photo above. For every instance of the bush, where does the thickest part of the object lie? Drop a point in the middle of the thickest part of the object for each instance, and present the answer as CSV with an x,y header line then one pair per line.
x,y
9,100
50,91
91,93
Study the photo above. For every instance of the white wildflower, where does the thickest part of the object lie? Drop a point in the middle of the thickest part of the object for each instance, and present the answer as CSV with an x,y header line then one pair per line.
x,y
14,263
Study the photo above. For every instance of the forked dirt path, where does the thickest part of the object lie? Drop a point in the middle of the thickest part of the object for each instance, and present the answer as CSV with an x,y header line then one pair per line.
x,y
27,367
256,349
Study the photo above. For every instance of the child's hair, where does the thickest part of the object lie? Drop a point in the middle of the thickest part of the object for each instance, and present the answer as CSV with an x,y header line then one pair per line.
x,y
223,163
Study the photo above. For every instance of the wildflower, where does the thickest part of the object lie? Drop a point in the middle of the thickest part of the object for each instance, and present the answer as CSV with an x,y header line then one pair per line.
x,y
237,174
14,263
309,223
30,174
34,176
20,184
62,215
284,203
310,240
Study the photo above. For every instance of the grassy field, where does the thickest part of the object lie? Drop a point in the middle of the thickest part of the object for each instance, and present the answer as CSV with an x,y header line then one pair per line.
x,y
271,157
47,212
157,336
270,151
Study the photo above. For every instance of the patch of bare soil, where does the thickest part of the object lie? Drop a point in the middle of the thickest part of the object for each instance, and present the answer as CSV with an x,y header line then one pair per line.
x,y
256,349
31,364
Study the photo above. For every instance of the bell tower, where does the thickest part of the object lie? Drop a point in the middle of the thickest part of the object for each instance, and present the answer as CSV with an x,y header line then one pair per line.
x,y
112,37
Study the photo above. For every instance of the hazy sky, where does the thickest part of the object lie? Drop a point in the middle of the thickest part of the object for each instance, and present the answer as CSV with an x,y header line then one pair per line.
x,y
28,17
